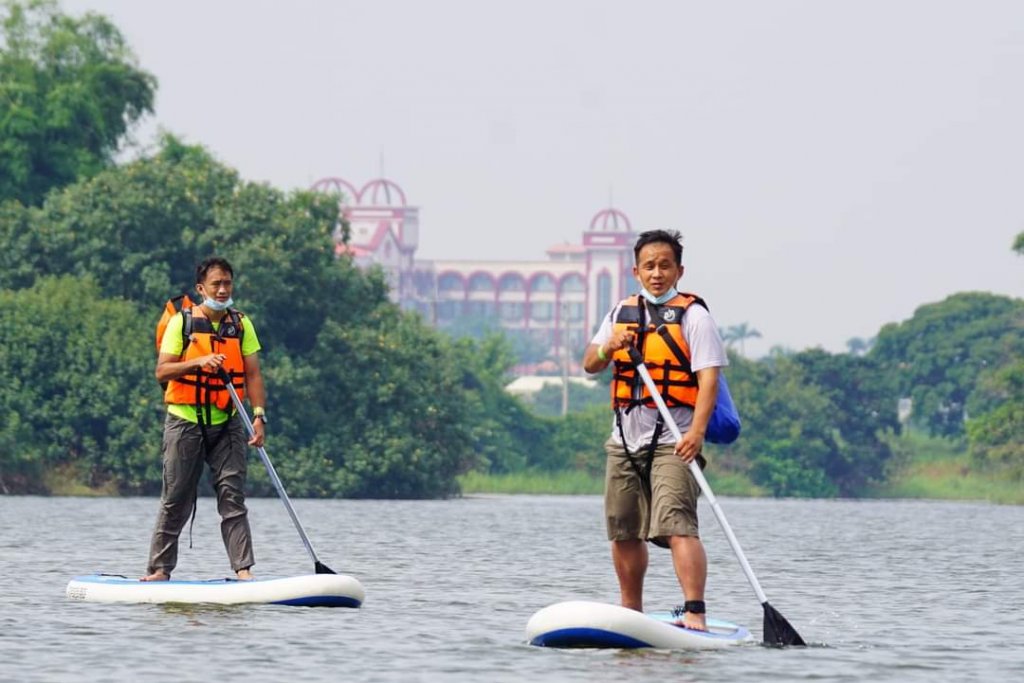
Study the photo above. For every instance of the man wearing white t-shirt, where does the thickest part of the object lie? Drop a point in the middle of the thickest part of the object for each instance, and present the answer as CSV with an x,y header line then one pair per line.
x,y
650,494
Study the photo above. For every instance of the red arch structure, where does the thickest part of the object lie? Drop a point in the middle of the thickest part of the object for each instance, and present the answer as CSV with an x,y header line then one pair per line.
x,y
338,185
382,192
377,192
610,220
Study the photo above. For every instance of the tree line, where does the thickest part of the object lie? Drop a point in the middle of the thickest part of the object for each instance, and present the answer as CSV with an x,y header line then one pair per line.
x,y
367,400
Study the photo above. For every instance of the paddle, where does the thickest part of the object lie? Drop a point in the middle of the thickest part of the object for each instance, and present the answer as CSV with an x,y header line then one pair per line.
x,y
777,631
319,566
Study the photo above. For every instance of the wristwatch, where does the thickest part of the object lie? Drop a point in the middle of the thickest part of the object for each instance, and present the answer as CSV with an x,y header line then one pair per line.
x,y
261,416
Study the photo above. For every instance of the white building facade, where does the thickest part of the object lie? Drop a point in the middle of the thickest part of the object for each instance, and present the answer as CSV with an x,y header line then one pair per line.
x,y
555,303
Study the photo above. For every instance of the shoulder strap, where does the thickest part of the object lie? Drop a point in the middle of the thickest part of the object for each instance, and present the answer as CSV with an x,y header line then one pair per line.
x,y
666,337
186,328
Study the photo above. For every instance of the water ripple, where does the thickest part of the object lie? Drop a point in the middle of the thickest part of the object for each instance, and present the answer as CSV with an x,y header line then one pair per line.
x,y
885,590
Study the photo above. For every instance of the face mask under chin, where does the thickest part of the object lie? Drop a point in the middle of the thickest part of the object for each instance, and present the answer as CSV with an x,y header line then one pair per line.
x,y
658,300
215,305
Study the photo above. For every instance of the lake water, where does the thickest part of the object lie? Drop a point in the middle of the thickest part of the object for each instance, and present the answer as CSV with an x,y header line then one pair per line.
x,y
885,591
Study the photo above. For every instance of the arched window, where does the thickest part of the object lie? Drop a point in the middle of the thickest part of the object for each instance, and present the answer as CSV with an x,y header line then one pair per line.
x,y
481,282
573,283
542,283
450,282
511,282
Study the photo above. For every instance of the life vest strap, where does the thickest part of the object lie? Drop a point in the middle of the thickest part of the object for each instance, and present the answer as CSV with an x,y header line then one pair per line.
x,y
648,402
213,382
666,337
668,371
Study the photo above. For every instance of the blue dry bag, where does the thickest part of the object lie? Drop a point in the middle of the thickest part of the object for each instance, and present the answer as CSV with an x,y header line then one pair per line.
x,y
724,425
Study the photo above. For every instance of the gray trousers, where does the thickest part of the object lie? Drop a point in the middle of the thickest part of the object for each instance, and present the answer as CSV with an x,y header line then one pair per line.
x,y
183,456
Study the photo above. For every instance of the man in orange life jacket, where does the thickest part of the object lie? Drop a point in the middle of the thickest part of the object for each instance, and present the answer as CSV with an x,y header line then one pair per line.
x,y
202,424
650,494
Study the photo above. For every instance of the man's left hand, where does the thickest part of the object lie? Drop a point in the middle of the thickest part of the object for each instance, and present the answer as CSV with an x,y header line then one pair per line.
x,y
689,447
257,438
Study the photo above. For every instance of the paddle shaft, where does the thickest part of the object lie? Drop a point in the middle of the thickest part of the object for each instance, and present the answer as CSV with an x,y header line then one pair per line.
x,y
702,482
275,479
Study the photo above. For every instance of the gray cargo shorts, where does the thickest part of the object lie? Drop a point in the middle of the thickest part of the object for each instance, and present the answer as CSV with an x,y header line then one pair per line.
x,y
632,512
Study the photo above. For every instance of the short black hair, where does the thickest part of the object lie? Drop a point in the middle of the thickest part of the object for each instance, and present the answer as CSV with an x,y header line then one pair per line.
x,y
213,262
669,237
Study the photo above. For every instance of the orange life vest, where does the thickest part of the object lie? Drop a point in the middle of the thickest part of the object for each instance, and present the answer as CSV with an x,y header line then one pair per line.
x,y
173,306
203,388
659,337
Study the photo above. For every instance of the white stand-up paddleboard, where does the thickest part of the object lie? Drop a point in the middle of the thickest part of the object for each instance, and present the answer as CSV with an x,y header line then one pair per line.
x,y
312,590
581,624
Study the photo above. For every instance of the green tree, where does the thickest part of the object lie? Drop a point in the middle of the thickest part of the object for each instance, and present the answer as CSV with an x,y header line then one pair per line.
x,y
23,248
364,416
939,354
578,437
858,346
996,435
367,400
80,394
862,407
995,432
504,435
140,229
787,436
70,89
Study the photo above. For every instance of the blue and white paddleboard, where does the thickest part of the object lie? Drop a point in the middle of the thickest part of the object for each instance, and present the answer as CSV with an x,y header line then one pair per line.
x,y
582,624
313,590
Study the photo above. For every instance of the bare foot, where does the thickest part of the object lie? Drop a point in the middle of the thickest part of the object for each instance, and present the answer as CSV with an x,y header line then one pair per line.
x,y
244,575
158,575
694,622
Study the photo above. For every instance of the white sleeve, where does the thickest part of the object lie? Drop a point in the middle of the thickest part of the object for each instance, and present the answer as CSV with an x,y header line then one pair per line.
x,y
604,332
701,334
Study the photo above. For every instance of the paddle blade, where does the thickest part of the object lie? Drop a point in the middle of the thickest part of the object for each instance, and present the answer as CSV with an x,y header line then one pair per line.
x,y
777,631
322,568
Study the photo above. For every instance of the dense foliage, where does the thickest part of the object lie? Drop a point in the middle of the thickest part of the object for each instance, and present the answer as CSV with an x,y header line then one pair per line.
x,y
938,356
69,91
995,410
359,410
369,400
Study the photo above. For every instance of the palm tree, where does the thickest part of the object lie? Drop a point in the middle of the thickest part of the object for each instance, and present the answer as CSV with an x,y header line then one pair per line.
x,y
739,333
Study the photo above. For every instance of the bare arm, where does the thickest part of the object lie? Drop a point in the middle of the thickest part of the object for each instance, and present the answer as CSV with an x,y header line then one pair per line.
x,y
169,366
256,393
689,447
592,362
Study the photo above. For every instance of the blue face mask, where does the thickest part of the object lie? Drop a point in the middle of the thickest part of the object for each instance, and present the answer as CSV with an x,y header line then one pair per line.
x,y
215,305
658,300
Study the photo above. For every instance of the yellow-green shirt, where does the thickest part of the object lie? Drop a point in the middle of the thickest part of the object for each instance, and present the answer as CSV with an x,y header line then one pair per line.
x,y
172,343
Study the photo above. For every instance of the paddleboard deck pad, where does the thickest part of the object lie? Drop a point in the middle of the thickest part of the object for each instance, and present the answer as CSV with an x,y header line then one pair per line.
x,y
312,590
582,624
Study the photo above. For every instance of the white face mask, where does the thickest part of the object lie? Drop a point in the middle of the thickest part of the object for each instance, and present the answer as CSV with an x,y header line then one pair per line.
x,y
215,305
658,300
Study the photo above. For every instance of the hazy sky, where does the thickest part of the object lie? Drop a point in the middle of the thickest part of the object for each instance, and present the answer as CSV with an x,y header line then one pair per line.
x,y
832,165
